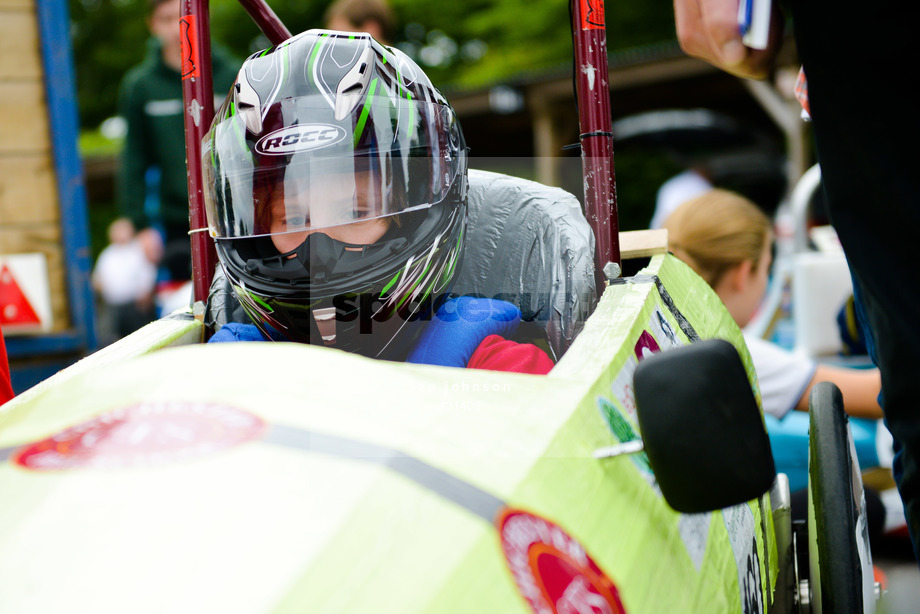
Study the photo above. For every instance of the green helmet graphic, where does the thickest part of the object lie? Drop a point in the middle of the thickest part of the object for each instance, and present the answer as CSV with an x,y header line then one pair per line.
x,y
335,187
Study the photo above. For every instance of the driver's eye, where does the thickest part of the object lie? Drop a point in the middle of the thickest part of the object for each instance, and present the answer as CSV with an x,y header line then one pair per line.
x,y
295,221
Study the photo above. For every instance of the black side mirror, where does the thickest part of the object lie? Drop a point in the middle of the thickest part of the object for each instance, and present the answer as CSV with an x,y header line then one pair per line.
x,y
701,427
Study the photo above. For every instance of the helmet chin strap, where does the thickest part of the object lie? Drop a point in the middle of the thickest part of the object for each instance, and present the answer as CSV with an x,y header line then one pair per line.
x,y
318,255
324,321
322,257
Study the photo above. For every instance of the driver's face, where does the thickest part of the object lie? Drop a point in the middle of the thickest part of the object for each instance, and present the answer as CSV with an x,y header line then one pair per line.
x,y
333,206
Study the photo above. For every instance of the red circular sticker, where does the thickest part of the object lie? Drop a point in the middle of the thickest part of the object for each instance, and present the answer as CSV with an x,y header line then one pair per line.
x,y
552,570
143,435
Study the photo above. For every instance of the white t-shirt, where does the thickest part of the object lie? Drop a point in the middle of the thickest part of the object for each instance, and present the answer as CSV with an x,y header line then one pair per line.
x,y
123,273
676,191
782,375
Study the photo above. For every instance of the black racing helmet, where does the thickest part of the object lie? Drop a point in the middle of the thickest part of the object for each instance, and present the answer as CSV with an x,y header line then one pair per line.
x,y
335,189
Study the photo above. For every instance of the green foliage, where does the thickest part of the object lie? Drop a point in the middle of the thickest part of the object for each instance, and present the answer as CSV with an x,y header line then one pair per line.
x,y
108,38
94,144
474,43
524,36
640,172
232,27
101,214
460,44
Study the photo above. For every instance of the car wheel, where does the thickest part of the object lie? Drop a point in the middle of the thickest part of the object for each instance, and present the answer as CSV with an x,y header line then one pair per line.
x,y
840,563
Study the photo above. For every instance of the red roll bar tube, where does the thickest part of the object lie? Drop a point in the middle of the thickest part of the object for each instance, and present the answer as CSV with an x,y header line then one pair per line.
x,y
592,92
266,20
198,101
596,134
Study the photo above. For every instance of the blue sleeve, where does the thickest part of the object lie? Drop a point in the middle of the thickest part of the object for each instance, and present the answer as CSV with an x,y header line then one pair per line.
x,y
458,328
234,331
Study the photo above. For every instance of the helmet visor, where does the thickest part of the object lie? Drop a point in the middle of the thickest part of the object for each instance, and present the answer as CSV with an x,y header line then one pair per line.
x,y
380,161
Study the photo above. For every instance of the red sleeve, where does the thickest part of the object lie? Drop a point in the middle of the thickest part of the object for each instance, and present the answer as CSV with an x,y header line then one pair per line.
x,y
498,354
6,388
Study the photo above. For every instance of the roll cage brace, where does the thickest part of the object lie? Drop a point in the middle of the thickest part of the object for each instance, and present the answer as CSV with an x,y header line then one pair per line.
x,y
592,98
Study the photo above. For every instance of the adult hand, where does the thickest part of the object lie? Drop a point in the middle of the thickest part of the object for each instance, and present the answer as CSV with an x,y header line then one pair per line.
x,y
708,29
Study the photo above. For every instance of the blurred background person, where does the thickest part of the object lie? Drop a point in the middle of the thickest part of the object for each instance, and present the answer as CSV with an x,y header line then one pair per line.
x,y
727,240
677,190
125,276
372,16
150,101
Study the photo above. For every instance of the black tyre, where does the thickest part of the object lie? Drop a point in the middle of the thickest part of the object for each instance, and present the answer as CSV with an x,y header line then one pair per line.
x,y
840,563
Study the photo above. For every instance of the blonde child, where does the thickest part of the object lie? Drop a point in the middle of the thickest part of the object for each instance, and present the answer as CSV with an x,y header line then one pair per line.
x,y
727,240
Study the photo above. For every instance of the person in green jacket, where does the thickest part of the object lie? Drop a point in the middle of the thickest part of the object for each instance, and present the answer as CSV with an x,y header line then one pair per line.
x,y
150,101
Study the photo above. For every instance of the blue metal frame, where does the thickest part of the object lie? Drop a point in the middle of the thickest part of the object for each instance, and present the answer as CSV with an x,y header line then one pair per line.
x,y
60,90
